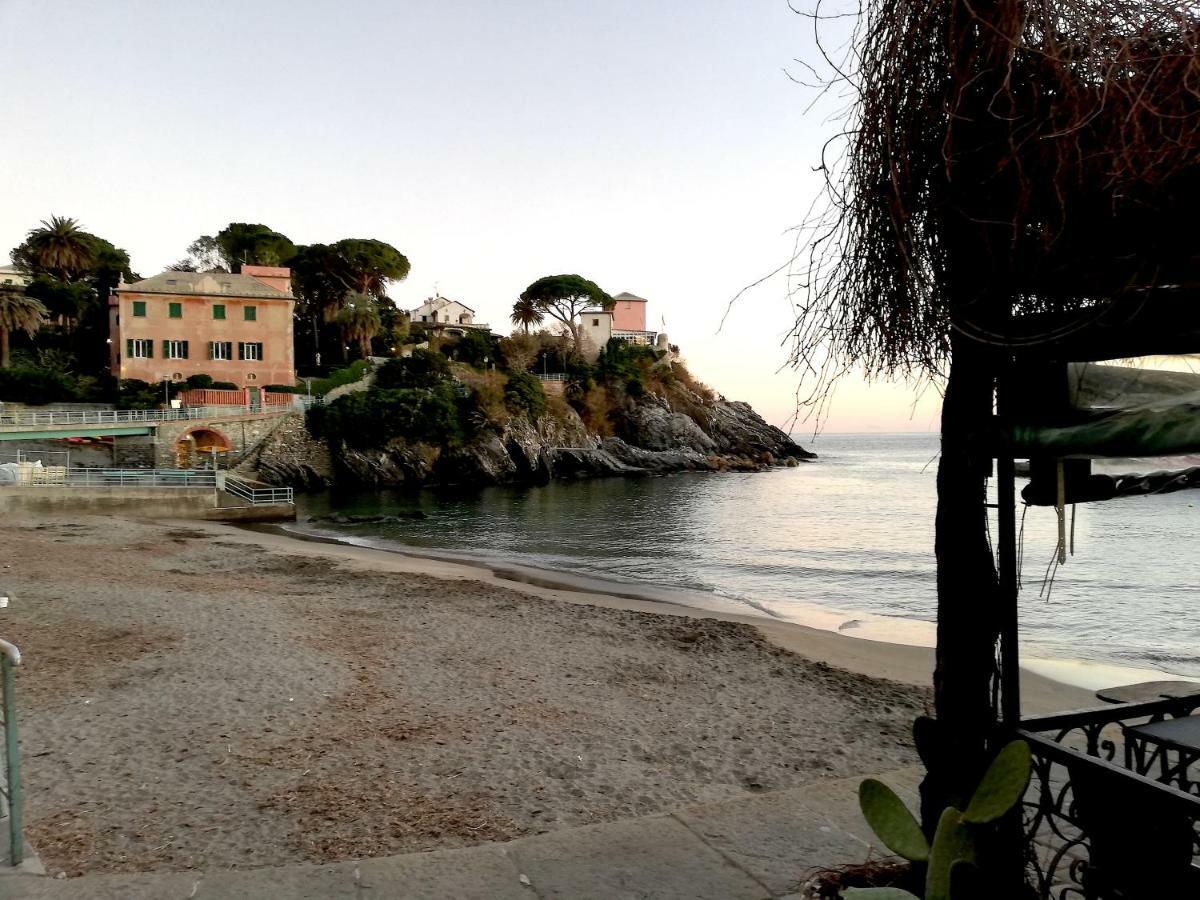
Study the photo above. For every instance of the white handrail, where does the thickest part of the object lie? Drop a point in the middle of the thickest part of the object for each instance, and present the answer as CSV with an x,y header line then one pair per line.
x,y
121,416
11,651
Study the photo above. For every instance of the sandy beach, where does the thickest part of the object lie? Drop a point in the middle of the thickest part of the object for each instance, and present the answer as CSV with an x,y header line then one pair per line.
x,y
196,696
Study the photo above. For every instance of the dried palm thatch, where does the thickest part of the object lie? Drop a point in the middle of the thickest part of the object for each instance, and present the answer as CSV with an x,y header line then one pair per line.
x,y
1002,157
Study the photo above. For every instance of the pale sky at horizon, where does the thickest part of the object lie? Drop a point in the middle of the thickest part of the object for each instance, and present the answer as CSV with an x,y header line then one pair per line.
x,y
654,147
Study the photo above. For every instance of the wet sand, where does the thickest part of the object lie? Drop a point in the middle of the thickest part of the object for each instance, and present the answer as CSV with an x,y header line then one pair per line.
x,y
196,696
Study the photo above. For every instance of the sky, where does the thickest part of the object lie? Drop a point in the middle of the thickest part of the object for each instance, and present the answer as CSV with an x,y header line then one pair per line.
x,y
654,146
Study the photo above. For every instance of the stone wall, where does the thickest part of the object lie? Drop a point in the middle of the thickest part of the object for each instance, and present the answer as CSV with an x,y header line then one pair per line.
x,y
290,456
242,434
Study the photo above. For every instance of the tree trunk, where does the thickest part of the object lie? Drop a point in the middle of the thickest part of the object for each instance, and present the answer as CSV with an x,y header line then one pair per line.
x,y
4,357
968,588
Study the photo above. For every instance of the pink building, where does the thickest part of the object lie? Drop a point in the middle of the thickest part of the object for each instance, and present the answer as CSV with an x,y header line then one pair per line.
x,y
236,328
629,312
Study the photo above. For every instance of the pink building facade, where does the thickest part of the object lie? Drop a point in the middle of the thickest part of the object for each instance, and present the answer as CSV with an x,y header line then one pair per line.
x,y
628,312
236,328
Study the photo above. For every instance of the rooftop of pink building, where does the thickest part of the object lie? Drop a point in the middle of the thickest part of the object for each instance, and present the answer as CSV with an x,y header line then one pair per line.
x,y
212,283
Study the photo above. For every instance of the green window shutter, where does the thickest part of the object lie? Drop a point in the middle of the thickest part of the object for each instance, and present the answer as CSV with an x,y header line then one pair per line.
x,y
139,307
250,313
175,310
129,348
218,310
260,353
185,349
241,350
149,349
210,349
166,349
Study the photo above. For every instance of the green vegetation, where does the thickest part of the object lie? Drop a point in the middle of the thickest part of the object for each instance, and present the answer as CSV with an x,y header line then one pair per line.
x,y
951,862
424,369
18,312
346,375
412,398
38,385
523,395
72,273
358,322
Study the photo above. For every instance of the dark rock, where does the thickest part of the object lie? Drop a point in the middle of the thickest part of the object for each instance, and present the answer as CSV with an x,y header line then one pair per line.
x,y
395,518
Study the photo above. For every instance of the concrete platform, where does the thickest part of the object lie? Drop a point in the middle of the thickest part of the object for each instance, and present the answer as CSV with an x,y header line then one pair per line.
x,y
756,848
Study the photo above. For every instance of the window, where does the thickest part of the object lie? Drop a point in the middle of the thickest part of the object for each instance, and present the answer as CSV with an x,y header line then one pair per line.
x,y
250,313
175,349
139,348
175,310
218,310
250,351
139,308
8,281
424,318
251,377
220,350
595,323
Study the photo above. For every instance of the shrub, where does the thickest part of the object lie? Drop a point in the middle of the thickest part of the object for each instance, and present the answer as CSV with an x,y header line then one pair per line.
x,y
375,418
517,353
135,394
35,385
524,394
474,347
486,394
199,382
424,369
224,386
346,375
282,389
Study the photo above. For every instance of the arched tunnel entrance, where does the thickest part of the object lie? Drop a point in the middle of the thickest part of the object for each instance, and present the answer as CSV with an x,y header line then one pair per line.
x,y
199,448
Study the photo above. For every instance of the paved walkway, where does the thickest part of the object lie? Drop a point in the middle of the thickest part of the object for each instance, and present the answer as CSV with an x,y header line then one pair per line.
x,y
754,848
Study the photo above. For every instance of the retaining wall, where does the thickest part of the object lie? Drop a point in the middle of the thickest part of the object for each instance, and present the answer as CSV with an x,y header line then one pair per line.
x,y
145,502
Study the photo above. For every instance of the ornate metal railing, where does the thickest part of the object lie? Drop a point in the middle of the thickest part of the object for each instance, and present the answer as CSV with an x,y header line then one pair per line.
x,y
11,798
1098,825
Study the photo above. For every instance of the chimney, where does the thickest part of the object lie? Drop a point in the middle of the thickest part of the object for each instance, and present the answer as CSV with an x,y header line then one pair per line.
x,y
278,277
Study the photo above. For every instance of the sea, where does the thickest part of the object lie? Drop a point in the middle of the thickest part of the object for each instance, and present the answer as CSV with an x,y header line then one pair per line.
x,y
844,543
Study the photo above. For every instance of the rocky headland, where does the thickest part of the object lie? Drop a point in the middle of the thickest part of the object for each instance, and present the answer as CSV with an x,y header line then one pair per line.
x,y
472,438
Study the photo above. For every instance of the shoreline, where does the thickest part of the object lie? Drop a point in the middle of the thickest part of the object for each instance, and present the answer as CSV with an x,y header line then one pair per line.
x,y
905,663
1088,675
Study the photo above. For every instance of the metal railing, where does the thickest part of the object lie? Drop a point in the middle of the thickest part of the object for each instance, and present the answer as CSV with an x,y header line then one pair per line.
x,y
1092,803
553,376
254,493
59,476
11,798
129,416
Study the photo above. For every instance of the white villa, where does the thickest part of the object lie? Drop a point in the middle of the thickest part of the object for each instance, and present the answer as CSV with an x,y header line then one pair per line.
x,y
446,315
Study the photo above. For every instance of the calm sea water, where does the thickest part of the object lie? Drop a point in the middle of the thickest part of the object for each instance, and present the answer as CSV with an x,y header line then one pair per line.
x,y
845,543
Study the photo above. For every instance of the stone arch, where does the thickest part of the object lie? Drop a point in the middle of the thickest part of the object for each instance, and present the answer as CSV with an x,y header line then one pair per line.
x,y
197,444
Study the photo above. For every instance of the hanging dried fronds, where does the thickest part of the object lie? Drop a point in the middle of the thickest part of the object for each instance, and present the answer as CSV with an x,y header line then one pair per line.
x,y
1001,157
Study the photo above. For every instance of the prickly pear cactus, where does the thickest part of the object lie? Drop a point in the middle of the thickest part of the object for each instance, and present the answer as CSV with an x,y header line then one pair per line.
x,y
953,852
1003,785
891,821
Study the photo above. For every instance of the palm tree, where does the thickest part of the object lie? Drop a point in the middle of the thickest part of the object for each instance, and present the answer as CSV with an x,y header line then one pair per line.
x,y
359,321
60,247
526,313
18,312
